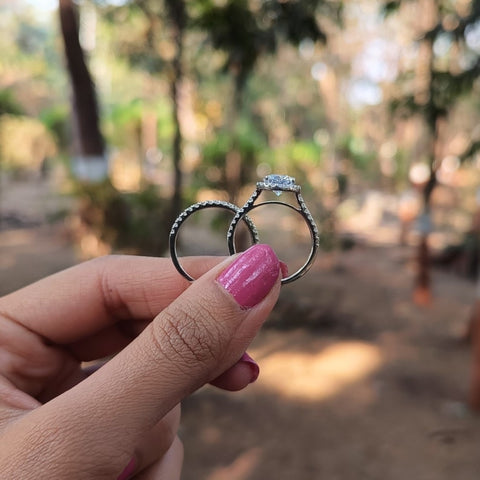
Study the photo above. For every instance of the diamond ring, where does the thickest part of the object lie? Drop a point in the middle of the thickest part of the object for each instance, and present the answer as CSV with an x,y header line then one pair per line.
x,y
275,183
195,208
279,184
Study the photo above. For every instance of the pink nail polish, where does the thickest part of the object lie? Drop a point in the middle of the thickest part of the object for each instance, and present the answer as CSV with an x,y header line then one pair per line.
x,y
129,470
252,275
253,365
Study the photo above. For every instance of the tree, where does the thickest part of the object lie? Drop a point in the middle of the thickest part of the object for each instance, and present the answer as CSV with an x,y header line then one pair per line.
x,y
143,50
90,162
178,16
245,31
440,80
444,87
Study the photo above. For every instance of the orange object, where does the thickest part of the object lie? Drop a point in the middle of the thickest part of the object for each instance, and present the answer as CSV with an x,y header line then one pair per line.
x,y
474,334
422,294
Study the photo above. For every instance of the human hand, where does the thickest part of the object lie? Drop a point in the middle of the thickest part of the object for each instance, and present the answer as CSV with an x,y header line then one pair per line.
x,y
58,422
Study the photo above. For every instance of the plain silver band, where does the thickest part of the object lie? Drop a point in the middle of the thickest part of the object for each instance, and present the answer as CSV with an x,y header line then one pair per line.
x,y
303,211
195,208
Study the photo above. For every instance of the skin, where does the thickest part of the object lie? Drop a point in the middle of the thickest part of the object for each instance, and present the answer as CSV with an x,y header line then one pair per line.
x,y
166,337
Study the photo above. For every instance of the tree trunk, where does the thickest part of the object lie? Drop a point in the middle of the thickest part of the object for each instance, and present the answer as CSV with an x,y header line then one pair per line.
x,y
422,294
428,17
233,160
472,334
89,162
177,14
422,290
1,192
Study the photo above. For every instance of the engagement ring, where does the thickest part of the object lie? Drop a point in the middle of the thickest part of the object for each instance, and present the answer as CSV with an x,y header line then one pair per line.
x,y
278,184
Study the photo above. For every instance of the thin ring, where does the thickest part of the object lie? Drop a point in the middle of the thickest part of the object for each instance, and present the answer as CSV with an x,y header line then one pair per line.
x,y
195,208
279,184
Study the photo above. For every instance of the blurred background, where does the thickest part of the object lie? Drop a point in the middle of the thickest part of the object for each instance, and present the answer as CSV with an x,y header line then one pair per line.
x,y
116,115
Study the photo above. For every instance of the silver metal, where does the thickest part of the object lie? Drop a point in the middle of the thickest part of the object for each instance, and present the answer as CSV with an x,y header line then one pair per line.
x,y
276,183
279,184
195,208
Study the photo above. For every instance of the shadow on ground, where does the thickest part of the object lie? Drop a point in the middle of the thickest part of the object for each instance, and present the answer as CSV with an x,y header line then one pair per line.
x,y
374,388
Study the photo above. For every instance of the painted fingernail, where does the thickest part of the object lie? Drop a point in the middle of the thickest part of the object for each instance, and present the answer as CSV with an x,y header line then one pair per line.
x,y
252,364
252,275
284,269
129,470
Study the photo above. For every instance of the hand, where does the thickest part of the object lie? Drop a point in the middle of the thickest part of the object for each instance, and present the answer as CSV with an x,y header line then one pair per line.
x,y
168,338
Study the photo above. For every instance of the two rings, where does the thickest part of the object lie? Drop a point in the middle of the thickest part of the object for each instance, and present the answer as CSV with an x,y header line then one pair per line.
x,y
276,183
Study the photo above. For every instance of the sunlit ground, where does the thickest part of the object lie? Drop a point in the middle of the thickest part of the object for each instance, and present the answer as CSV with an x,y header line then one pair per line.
x,y
321,375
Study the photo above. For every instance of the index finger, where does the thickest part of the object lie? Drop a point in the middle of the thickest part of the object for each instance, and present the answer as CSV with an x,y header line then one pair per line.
x,y
77,302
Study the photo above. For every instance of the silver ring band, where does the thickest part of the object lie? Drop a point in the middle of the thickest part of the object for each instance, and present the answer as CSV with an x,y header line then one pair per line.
x,y
195,208
279,184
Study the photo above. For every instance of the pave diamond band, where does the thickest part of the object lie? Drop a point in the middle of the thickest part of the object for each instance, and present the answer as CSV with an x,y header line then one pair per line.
x,y
276,183
195,208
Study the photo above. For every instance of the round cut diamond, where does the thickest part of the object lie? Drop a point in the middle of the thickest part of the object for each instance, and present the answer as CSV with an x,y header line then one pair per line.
x,y
280,182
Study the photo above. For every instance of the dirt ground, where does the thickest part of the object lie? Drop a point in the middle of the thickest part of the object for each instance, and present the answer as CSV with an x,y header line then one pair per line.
x,y
373,389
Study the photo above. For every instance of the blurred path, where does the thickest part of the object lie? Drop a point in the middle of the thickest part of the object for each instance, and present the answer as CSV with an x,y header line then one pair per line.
x,y
31,244
28,254
31,201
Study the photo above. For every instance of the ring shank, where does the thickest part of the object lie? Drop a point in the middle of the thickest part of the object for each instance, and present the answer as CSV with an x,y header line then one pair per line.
x,y
302,210
195,208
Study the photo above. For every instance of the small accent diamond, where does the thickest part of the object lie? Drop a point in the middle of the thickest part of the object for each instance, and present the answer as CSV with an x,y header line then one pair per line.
x,y
283,182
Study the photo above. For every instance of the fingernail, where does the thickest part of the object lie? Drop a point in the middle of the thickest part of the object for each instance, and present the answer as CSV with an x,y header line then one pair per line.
x,y
252,364
251,276
284,269
129,470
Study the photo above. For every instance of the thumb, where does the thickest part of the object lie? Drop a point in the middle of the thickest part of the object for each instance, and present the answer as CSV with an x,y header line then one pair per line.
x,y
196,338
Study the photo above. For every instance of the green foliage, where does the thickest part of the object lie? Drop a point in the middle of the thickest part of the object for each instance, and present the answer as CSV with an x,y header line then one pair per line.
x,y
234,29
9,104
390,7
127,113
446,89
354,149
245,31
471,151
133,58
30,62
146,229
123,123
298,158
401,174
447,83
294,21
137,30
133,222
244,141
57,121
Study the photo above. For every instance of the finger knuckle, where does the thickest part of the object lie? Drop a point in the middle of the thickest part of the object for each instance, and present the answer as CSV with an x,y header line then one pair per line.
x,y
190,334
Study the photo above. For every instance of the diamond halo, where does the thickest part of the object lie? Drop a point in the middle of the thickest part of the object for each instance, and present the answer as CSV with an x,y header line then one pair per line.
x,y
278,184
